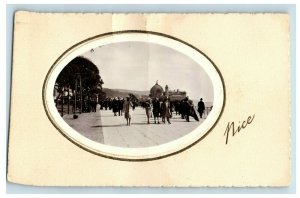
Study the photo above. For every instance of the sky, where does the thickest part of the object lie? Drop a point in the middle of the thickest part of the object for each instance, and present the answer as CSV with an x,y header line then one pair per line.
x,y
138,65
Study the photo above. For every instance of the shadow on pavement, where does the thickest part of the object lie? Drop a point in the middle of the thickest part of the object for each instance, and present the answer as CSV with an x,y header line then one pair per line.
x,y
117,125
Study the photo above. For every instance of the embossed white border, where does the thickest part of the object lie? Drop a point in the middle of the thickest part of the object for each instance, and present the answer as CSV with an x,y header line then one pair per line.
x,y
146,153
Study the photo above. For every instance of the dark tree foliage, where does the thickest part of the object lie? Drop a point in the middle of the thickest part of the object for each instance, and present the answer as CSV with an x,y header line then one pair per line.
x,y
84,69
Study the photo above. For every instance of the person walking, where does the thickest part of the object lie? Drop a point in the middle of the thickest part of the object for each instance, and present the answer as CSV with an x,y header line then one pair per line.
x,y
156,110
127,108
165,111
192,110
115,106
168,110
120,106
181,109
186,109
201,107
147,106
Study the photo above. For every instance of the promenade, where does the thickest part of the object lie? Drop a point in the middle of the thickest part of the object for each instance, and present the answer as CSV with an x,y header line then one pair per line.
x,y
103,127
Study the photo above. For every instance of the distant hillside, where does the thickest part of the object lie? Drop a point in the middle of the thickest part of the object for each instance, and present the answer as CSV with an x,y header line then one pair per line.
x,y
112,93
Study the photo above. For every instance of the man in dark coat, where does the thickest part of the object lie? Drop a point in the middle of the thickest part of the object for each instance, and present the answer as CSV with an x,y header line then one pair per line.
x,y
156,110
201,107
115,106
120,106
186,109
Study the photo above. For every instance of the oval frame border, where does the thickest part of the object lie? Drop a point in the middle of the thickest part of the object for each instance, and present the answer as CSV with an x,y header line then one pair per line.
x,y
126,32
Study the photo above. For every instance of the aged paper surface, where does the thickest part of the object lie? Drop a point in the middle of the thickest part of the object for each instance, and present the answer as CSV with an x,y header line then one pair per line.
x,y
251,52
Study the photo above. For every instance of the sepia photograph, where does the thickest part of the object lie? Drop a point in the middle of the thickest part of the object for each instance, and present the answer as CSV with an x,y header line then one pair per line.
x,y
133,94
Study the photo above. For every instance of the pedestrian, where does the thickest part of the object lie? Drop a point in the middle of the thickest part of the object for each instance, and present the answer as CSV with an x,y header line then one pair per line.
x,y
110,103
147,106
201,107
101,103
120,106
193,111
156,110
165,111
168,110
186,109
181,109
106,104
93,105
127,108
115,106
172,106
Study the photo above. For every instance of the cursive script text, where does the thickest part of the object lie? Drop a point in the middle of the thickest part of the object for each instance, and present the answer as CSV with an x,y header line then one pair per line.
x,y
231,129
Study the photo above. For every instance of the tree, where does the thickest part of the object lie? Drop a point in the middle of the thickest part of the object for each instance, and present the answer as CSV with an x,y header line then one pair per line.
x,y
80,71
80,67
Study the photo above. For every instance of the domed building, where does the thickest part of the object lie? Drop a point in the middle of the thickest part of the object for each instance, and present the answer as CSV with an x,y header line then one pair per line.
x,y
158,92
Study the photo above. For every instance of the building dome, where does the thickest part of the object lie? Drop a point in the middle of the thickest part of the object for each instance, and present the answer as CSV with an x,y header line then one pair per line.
x,y
156,91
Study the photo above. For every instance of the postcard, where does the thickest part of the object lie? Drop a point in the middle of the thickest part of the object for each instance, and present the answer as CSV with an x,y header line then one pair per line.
x,y
150,99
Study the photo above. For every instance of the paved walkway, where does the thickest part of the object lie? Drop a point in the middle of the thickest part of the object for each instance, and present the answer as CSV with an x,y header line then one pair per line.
x,y
102,126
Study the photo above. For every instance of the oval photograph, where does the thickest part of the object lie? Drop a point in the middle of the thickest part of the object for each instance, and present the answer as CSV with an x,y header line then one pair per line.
x,y
133,95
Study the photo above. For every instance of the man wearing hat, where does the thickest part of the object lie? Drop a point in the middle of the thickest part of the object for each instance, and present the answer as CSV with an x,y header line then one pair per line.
x,y
201,107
